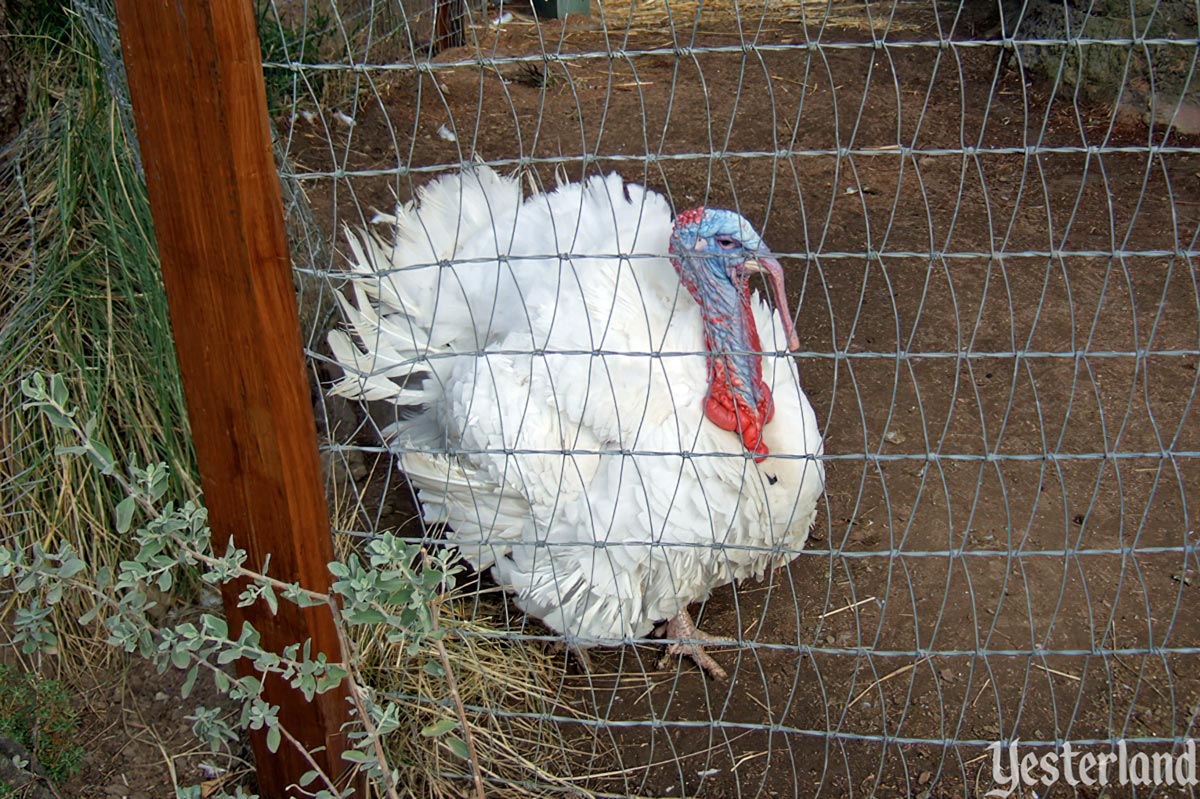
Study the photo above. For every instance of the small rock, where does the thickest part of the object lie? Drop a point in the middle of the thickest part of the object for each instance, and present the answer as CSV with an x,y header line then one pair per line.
x,y
161,697
894,437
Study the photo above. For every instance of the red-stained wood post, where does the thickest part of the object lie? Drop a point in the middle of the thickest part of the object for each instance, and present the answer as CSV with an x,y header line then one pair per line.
x,y
195,77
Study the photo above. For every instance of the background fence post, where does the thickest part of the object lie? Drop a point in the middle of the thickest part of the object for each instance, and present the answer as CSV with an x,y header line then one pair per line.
x,y
195,78
449,20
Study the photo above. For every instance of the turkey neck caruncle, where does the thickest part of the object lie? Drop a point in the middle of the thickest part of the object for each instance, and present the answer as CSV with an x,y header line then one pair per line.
x,y
714,253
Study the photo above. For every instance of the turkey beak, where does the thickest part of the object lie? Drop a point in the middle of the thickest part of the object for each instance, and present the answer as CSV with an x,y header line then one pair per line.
x,y
770,268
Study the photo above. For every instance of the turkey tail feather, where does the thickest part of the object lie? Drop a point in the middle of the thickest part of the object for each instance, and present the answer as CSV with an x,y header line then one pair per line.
x,y
391,355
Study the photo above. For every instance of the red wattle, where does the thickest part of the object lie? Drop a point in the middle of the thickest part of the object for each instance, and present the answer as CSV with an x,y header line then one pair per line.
x,y
727,408
729,411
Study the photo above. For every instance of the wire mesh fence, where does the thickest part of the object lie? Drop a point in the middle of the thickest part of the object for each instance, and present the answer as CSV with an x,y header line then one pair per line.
x,y
988,220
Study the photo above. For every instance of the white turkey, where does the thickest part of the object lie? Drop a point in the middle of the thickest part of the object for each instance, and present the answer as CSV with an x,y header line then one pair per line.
x,y
589,397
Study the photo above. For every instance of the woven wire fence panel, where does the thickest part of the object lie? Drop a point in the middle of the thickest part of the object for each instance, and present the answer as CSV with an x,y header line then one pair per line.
x,y
989,246
988,218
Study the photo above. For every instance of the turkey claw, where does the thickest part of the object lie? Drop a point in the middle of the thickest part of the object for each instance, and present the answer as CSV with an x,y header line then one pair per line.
x,y
697,654
683,628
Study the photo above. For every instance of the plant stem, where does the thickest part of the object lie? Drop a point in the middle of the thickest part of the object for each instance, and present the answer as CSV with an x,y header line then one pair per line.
x,y
364,714
452,684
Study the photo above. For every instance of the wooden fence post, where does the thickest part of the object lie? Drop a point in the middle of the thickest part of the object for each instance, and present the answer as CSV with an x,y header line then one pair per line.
x,y
449,19
195,78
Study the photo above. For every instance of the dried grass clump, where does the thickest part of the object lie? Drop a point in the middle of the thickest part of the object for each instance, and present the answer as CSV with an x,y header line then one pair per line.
x,y
511,691
748,17
520,728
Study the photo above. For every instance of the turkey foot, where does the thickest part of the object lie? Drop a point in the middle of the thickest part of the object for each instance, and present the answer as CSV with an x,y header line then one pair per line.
x,y
683,628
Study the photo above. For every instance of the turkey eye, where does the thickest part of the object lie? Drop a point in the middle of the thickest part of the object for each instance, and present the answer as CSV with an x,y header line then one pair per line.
x,y
725,242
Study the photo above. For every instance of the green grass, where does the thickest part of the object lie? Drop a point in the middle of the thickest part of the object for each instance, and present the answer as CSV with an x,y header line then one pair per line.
x,y
300,41
79,269
324,33
38,714
44,17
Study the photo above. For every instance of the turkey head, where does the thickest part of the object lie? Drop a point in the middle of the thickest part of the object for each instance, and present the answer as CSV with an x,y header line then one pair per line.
x,y
715,252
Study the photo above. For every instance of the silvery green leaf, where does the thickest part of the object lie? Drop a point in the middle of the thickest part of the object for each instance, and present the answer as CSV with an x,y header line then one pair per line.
x,y
125,510
159,482
71,567
57,417
274,737
331,679
439,728
58,390
190,682
102,457
458,747
214,626
34,387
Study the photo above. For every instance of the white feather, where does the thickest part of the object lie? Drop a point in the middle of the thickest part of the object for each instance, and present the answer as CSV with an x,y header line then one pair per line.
x,y
551,446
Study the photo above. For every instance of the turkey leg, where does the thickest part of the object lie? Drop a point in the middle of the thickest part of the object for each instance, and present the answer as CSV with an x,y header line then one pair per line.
x,y
683,628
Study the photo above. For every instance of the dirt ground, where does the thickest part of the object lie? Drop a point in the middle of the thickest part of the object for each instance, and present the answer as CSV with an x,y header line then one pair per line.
x,y
142,744
935,609
132,725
